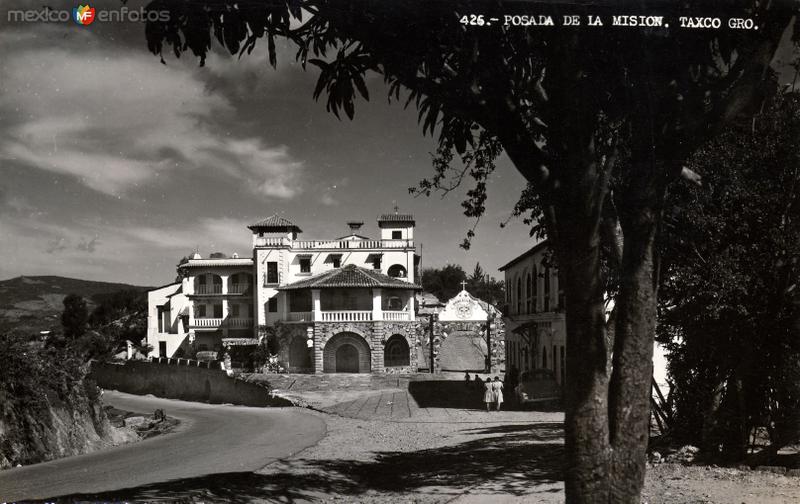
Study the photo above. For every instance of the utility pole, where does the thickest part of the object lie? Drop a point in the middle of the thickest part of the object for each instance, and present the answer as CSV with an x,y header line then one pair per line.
x,y
489,319
430,338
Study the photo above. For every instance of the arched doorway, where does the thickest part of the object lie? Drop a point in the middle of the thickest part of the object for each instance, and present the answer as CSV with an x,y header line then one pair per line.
x,y
347,359
346,352
299,357
396,352
463,351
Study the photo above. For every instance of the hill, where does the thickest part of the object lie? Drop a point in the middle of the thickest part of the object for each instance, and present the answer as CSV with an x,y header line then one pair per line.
x,y
30,304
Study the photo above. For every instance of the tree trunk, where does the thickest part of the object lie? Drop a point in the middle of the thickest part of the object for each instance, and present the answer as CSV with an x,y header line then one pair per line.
x,y
586,419
632,362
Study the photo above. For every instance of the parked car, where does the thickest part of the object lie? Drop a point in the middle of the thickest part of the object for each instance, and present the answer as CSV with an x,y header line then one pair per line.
x,y
537,386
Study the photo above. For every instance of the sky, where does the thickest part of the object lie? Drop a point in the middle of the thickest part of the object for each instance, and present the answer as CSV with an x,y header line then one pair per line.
x,y
113,166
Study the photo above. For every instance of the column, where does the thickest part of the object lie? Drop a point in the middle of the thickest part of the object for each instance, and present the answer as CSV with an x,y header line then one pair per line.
x,y
410,306
316,305
377,312
224,284
283,304
316,334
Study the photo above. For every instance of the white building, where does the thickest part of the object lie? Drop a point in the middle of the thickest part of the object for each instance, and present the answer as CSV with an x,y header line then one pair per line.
x,y
536,331
535,325
330,305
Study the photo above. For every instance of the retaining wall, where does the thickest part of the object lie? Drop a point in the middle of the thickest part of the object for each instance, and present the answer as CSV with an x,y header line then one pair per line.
x,y
189,383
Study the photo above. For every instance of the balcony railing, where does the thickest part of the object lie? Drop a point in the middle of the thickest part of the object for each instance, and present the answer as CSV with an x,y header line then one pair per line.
x,y
208,289
347,316
236,323
239,288
300,316
395,315
333,244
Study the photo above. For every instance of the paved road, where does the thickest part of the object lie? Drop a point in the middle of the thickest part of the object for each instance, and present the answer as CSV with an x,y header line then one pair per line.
x,y
210,439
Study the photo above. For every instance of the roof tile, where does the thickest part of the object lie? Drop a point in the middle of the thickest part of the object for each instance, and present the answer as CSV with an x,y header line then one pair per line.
x,y
350,276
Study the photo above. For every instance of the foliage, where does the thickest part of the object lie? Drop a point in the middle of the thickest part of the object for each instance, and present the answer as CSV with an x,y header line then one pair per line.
x,y
444,283
34,378
111,306
485,287
75,318
729,297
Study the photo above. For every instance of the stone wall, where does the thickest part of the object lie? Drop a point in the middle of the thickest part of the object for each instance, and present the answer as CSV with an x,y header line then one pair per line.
x,y
181,382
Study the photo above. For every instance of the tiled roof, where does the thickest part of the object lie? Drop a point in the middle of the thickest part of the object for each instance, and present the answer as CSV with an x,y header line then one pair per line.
x,y
274,222
396,218
350,276
194,263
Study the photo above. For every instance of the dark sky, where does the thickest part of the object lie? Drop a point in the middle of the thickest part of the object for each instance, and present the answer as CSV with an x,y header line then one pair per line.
x,y
114,166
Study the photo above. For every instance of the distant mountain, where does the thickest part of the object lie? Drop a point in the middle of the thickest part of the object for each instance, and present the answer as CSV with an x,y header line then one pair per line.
x,y
31,304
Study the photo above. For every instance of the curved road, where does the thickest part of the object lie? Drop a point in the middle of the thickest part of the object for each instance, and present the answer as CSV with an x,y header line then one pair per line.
x,y
210,439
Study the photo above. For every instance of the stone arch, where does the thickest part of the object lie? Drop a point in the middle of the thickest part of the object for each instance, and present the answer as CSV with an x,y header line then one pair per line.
x,y
396,352
346,352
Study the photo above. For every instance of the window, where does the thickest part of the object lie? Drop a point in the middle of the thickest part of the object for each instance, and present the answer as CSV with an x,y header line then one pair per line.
x,y
235,310
161,319
547,289
376,262
396,271
235,278
200,311
528,293
272,272
272,305
561,298
337,262
201,280
519,295
535,281
305,265
544,357
397,235
217,311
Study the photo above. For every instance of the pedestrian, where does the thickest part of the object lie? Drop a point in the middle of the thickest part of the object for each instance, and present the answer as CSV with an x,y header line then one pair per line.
x,y
466,380
488,393
497,392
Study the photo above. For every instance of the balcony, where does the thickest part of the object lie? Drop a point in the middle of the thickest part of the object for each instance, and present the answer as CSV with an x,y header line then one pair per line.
x,y
215,323
333,244
240,288
347,316
206,290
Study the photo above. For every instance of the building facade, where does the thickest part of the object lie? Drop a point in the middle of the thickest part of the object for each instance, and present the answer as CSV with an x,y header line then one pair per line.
x,y
535,325
333,305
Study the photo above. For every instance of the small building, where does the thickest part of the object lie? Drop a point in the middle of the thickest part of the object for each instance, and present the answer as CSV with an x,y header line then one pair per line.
x,y
325,305
534,318
468,336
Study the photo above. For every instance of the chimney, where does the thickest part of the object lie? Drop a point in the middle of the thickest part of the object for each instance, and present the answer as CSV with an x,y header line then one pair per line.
x,y
355,225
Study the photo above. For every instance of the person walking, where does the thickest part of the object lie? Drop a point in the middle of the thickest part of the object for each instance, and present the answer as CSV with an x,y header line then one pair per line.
x,y
488,393
497,392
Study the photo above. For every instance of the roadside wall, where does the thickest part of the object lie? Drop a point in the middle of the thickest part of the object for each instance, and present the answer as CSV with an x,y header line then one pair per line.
x,y
188,383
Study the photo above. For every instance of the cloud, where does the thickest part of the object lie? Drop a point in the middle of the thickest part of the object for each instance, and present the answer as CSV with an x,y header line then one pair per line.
x,y
56,245
88,246
114,121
